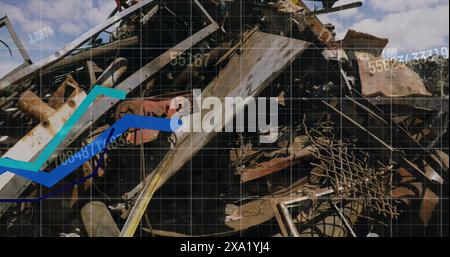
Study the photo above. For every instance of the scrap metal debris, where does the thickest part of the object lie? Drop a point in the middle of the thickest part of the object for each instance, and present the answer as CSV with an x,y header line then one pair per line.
x,y
361,147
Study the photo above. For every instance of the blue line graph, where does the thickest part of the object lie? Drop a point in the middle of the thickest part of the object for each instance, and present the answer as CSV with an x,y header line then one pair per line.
x,y
62,133
49,179
99,164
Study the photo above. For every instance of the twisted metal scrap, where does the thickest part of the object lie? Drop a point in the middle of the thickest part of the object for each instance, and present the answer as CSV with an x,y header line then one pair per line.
x,y
342,165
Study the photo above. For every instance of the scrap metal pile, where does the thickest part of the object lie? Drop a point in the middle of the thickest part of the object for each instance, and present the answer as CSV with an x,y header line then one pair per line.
x,y
361,148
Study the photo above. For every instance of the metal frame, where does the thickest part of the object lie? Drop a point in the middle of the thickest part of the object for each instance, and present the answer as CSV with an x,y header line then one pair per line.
x,y
5,21
101,105
29,70
284,204
401,152
27,60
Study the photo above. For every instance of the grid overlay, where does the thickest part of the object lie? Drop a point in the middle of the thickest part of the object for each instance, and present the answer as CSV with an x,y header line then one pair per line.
x,y
193,201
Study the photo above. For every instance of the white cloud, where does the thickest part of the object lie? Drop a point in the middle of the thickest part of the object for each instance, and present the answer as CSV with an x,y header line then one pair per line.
x,y
342,19
411,30
72,17
33,15
71,28
7,65
27,23
404,5
14,13
67,18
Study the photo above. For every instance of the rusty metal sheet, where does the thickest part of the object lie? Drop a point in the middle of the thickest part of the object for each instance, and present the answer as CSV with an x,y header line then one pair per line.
x,y
297,151
383,77
156,107
272,166
363,42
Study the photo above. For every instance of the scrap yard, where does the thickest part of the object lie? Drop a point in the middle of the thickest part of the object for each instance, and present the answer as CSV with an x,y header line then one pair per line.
x,y
223,118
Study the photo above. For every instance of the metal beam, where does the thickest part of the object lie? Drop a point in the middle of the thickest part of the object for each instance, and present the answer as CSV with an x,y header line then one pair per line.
x,y
91,54
16,39
266,56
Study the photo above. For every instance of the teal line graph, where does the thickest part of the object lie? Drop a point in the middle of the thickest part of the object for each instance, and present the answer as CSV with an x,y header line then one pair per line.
x,y
62,133
100,143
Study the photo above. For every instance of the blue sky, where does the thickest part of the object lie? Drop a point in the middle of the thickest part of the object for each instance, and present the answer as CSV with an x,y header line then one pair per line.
x,y
67,19
410,25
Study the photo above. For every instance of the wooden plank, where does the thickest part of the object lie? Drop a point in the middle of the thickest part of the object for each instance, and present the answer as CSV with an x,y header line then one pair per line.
x,y
263,57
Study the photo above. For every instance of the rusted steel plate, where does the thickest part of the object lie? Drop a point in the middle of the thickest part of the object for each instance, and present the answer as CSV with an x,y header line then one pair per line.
x,y
157,107
383,77
363,42
276,164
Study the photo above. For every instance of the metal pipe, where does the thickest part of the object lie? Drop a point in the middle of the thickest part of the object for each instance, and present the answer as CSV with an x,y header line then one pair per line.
x,y
32,104
336,9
